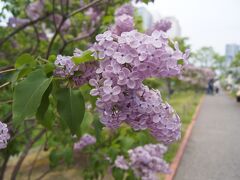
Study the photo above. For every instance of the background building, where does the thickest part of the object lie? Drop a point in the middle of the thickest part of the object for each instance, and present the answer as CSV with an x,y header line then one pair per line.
x,y
230,51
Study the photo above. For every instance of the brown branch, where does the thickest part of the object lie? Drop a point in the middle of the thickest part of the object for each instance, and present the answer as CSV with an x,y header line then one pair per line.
x,y
34,162
4,166
44,174
78,38
38,39
54,36
64,18
7,70
24,154
23,27
83,8
7,118
5,84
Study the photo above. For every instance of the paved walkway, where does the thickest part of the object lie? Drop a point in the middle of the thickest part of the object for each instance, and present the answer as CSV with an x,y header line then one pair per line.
x,y
213,151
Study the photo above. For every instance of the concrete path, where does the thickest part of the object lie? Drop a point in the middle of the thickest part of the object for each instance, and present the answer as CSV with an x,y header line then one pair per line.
x,y
213,151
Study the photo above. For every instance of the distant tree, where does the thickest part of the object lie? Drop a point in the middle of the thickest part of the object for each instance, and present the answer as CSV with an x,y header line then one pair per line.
x,y
204,57
236,61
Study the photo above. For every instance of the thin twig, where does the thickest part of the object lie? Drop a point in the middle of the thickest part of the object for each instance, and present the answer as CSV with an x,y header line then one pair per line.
x,y
34,162
54,37
83,8
7,70
78,38
38,39
64,18
24,154
5,84
23,27
44,174
4,166
6,101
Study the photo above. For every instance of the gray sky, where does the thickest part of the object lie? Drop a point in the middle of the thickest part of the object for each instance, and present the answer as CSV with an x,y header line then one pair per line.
x,y
206,22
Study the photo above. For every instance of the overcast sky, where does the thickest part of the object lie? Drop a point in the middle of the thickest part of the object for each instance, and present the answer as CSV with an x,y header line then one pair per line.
x,y
205,22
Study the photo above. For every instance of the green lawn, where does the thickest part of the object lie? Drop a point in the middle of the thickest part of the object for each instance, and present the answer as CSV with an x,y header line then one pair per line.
x,y
185,104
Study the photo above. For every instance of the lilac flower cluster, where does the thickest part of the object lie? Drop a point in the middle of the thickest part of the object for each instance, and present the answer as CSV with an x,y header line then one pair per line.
x,y
146,161
85,140
80,74
35,9
162,25
128,59
127,9
4,135
17,22
123,19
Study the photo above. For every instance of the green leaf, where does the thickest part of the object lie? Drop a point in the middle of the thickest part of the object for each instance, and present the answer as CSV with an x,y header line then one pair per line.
x,y
42,117
48,68
180,61
71,107
28,94
85,57
117,173
52,58
25,59
87,121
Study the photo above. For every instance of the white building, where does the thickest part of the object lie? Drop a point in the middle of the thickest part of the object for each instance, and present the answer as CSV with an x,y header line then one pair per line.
x,y
146,17
175,30
230,51
151,15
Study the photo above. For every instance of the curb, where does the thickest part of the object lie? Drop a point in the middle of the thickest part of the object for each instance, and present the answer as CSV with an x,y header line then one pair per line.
x,y
176,161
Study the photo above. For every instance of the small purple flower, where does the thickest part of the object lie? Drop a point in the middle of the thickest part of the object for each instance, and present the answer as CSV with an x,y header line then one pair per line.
x,y
121,163
35,9
84,141
128,78
4,135
111,93
106,36
162,25
125,9
16,22
146,161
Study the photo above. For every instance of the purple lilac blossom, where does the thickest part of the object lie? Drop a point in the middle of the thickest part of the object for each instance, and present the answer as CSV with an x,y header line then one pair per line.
x,y
57,18
146,161
127,9
84,141
16,22
35,9
121,163
128,58
80,74
162,25
123,20
4,135
118,83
